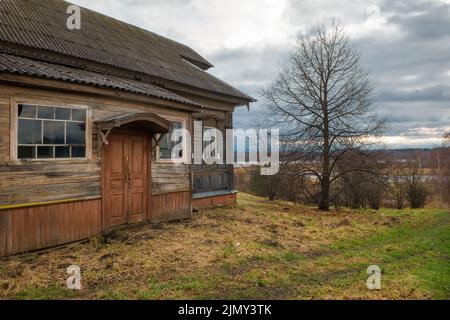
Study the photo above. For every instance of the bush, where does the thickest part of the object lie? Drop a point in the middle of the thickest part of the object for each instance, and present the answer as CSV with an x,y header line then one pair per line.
x,y
417,192
265,186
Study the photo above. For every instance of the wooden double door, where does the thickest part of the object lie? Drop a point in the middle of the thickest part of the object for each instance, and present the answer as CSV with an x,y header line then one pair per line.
x,y
126,171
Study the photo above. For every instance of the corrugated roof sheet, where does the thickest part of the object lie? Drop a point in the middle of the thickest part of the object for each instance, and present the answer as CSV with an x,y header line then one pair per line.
x,y
102,39
25,66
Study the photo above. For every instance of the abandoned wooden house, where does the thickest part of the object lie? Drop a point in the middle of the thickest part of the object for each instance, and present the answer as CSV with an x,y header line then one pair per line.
x,y
84,120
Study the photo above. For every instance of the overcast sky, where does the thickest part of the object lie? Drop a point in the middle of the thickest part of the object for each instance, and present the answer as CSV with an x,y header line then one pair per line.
x,y
405,44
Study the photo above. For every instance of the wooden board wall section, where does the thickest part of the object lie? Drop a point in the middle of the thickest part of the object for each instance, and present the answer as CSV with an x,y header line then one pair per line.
x,y
33,228
4,129
169,177
34,182
171,206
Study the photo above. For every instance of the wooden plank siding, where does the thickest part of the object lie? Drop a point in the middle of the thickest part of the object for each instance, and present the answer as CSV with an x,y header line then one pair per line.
x,y
4,129
171,206
215,201
33,182
39,227
168,178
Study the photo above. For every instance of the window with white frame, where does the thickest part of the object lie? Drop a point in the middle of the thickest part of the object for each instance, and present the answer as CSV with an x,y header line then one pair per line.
x,y
167,145
50,132
211,140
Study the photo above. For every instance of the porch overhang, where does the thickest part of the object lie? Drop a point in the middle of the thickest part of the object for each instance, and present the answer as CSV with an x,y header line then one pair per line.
x,y
148,122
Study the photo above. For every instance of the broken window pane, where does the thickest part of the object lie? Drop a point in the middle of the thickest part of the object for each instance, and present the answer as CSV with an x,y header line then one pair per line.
x,y
27,111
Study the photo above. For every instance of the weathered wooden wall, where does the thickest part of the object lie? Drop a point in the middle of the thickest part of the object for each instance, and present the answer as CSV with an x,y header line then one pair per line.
x,y
35,182
171,206
4,128
168,177
212,202
34,228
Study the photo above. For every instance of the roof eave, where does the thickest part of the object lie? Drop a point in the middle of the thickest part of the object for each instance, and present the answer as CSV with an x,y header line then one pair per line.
x,y
45,83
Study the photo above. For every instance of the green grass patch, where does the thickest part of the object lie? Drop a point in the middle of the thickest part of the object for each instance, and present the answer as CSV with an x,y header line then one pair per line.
x,y
256,250
46,293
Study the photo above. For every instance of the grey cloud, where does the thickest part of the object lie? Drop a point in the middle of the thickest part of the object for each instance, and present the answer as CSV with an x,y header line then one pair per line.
x,y
248,65
430,94
249,69
404,117
421,20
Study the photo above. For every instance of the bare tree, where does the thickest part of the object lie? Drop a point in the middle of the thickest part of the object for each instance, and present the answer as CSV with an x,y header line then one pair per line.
x,y
361,188
447,139
291,188
321,101
417,191
398,184
266,186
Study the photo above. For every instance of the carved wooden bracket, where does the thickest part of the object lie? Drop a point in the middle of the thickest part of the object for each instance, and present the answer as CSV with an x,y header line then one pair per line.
x,y
103,139
157,140
104,136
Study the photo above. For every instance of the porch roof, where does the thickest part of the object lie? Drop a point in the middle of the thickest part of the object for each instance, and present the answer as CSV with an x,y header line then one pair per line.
x,y
136,121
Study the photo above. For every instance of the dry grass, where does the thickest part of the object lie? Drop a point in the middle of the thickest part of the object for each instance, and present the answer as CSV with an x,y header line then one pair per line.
x,y
257,250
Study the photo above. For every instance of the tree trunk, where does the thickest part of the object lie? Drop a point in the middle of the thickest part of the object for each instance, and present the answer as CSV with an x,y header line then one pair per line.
x,y
325,194
324,204
400,204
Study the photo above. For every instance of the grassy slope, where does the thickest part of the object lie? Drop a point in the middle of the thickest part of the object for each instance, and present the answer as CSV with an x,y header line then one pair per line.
x,y
257,250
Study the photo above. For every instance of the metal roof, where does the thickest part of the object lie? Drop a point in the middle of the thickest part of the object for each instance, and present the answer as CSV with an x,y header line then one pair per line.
x,y
43,25
24,66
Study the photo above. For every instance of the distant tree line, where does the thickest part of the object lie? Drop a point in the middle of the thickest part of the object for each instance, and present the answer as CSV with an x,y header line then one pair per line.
x,y
394,185
385,182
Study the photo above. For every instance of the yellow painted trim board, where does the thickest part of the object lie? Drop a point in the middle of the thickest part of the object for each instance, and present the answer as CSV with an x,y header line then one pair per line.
x,y
40,204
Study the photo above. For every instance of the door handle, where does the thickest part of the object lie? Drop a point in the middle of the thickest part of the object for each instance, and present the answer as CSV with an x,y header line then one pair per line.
x,y
129,177
126,177
127,171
